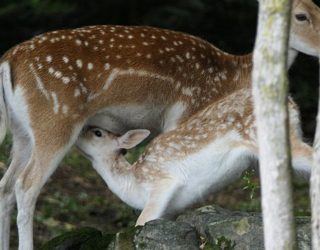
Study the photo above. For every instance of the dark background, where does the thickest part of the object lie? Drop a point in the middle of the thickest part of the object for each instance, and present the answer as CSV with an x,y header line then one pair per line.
x,y
76,196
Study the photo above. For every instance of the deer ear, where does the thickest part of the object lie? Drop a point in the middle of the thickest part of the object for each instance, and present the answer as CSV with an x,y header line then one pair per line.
x,y
132,138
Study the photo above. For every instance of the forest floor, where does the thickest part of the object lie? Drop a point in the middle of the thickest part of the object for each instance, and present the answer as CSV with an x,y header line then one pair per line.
x,y
76,196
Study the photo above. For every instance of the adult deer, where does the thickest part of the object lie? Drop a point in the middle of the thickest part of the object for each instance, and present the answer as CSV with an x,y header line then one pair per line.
x,y
202,154
113,77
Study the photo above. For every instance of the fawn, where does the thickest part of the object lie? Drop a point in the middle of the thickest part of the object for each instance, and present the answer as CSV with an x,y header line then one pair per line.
x,y
202,155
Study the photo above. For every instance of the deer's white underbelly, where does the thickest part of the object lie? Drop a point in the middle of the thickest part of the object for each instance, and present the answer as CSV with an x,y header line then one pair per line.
x,y
156,118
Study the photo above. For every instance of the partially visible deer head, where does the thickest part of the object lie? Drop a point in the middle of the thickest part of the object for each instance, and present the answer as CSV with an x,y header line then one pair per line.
x,y
305,22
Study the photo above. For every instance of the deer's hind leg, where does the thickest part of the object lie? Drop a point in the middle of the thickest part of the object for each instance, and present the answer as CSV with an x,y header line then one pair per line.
x,y
47,152
20,156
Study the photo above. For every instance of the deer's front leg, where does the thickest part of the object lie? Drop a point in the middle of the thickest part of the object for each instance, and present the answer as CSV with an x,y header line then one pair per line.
x,y
159,200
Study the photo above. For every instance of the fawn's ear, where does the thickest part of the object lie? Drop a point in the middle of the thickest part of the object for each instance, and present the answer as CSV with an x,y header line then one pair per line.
x,y
132,138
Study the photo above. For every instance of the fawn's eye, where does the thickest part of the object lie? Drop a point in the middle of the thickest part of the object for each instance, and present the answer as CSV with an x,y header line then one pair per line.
x,y
98,133
301,17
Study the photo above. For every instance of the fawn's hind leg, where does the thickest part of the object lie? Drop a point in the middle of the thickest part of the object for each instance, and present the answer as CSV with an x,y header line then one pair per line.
x,y
160,196
302,157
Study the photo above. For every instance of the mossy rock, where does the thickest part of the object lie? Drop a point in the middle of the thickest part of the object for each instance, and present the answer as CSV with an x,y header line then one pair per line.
x,y
124,240
212,227
238,230
166,235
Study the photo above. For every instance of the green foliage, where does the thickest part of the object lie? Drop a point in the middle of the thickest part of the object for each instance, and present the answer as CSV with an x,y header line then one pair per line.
x,y
4,151
45,7
88,238
208,246
222,243
205,244
249,183
82,239
124,239
133,154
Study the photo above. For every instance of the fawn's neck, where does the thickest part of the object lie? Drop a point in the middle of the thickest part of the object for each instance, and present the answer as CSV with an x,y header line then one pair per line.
x,y
120,179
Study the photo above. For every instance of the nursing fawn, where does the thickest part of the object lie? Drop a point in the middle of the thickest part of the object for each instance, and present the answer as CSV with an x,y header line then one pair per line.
x,y
201,155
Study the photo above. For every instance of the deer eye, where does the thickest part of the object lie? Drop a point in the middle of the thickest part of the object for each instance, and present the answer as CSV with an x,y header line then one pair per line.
x,y
301,17
98,133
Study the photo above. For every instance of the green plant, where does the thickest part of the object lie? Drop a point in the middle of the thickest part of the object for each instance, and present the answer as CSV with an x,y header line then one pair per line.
x,y
249,183
224,243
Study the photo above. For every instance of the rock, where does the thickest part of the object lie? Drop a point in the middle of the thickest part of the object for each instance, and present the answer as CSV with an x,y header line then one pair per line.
x,y
241,232
205,215
218,227
123,240
303,233
238,229
167,235
158,234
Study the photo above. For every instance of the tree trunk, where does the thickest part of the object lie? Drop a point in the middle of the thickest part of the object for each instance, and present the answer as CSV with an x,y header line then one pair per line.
x,y
270,87
315,186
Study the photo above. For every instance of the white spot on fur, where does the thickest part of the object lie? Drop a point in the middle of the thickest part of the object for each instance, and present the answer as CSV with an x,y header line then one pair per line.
x,y
56,104
65,109
39,83
65,80
78,42
77,93
110,79
106,66
65,59
79,63
90,66
57,74
49,59
187,91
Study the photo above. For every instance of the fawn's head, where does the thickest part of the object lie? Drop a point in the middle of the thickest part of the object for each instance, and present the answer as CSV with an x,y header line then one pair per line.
x,y
96,143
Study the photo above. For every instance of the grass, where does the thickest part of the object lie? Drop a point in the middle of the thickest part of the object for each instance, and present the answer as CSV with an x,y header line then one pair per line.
x,y
76,196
